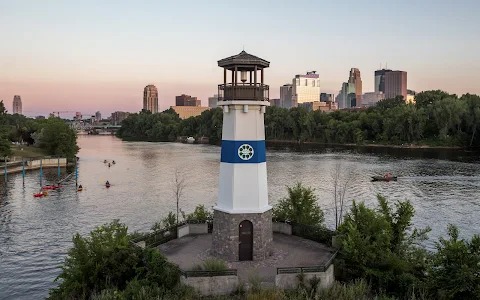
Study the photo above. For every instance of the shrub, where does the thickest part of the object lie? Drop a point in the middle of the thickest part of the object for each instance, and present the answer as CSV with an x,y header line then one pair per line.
x,y
455,268
200,214
381,247
102,260
299,207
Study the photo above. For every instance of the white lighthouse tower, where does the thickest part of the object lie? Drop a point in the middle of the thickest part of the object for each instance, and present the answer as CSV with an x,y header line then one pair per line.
x,y
242,227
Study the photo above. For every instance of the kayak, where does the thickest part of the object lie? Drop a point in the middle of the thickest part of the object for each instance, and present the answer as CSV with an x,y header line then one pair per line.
x,y
51,187
382,178
80,189
107,185
38,195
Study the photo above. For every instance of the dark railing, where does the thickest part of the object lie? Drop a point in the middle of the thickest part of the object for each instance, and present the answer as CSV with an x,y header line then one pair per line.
x,y
229,272
255,92
309,269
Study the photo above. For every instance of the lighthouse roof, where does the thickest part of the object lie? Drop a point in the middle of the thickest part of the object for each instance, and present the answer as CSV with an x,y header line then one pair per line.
x,y
243,61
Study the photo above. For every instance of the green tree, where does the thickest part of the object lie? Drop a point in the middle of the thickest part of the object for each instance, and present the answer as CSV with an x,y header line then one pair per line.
x,y
455,268
381,247
427,98
105,263
99,261
5,146
300,206
58,138
200,214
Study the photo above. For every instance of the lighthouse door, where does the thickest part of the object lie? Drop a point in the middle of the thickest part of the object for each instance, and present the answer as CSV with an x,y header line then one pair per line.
x,y
245,251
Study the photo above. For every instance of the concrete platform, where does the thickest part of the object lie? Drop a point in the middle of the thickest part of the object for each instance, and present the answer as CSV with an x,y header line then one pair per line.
x,y
288,251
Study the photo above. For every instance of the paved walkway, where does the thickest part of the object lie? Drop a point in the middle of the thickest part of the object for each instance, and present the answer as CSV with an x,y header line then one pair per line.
x,y
288,251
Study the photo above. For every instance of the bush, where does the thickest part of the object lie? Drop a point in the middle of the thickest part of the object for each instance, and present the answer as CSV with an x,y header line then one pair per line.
x,y
455,268
376,246
299,207
211,264
169,221
102,260
105,265
200,214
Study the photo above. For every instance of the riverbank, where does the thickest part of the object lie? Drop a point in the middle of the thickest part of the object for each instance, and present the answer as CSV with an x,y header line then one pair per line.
x,y
405,146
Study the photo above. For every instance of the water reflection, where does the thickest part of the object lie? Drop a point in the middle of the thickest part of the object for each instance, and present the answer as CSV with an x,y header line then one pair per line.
x,y
35,233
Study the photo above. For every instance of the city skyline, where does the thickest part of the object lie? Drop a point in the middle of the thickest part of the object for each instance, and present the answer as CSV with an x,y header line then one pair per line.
x,y
99,59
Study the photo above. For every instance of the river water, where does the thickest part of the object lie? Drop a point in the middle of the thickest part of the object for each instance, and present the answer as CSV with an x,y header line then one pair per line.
x,y
35,233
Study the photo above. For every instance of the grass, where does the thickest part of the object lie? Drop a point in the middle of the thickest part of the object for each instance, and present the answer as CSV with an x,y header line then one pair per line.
x,y
28,151
211,264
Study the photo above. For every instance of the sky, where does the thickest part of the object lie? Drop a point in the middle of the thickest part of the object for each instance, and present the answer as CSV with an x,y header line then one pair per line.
x,y
88,56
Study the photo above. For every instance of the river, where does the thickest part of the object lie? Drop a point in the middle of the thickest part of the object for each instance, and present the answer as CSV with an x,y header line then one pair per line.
x,y
35,233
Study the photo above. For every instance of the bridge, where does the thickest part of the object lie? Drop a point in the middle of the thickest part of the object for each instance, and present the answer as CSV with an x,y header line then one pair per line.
x,y
94,129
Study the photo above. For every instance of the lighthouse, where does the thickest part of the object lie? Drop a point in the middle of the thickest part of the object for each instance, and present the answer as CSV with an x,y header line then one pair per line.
x,y
242,227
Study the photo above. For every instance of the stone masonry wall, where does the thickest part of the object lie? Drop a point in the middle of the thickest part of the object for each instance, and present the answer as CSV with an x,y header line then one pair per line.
x,y
225,240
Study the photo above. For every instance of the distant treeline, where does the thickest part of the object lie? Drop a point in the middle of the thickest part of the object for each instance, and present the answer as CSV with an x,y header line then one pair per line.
x,y
53,134
436,119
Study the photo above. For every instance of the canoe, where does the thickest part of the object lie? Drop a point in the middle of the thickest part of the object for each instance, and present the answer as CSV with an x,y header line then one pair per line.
x,y
382,178
51,187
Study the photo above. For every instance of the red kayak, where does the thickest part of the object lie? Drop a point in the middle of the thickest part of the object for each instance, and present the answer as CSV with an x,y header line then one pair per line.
x,y
107,185
38,195
51,187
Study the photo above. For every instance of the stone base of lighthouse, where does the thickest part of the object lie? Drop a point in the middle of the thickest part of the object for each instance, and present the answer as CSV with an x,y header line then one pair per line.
x,y
229,232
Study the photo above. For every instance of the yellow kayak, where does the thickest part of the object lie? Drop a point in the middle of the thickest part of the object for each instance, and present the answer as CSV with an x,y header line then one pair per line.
x,y
80,189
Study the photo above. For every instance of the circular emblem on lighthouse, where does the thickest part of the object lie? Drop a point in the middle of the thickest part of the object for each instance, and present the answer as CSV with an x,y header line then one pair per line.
x,y
245,152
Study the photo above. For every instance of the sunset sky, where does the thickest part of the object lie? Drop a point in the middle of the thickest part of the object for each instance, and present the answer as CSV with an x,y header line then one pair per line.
x,y
90,55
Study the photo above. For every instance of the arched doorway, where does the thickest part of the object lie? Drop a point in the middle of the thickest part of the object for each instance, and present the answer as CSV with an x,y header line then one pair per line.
x,y
245,236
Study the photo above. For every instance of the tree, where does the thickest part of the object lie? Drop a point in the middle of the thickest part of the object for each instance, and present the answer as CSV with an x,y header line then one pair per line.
x,y
427,98
341,183
103,259
299,207
178,187
381,247
455,268
58,138
5,146
391,103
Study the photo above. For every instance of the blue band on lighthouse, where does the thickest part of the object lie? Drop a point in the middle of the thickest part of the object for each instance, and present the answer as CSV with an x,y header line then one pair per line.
x,y
243,152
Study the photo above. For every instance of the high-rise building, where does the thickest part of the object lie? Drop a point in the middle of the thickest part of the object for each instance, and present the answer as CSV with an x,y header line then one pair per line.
x,y
187,100
371,99
118,117
396,84
347,97
306,88
324,97
213,101
185,112
410,96
98,116
357,81
319,105
275,102
150,98
286,96
380,80
17,105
